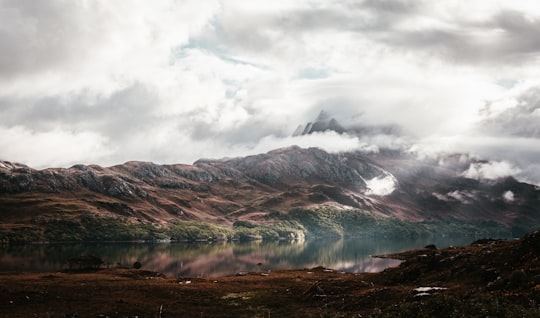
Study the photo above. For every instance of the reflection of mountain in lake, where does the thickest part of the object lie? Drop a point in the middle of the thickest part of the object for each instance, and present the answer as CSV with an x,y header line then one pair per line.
x,y
216,259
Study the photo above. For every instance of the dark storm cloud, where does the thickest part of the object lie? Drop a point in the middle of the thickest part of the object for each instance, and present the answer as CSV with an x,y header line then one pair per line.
x,y
507,37
251,32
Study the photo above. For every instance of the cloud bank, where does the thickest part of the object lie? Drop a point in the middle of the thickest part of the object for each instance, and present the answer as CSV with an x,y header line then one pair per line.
x,y
110,81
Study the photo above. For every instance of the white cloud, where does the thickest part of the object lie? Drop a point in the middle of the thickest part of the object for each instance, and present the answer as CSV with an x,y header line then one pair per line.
x,y
491,170
460,196
508,196
59,47
439,196
173,81
56,148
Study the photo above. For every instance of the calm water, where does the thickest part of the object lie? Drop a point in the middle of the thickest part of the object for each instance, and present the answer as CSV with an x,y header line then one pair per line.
x,y
218,259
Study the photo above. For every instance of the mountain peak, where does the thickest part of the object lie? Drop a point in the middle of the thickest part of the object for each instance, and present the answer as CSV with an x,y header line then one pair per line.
x,y
323,115
323,122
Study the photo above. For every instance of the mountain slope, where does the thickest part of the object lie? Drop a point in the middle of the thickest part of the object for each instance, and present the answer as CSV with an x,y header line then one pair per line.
x,y
261,189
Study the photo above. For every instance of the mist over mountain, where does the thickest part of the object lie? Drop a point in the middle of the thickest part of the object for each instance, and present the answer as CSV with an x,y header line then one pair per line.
x,y
496,158
325,122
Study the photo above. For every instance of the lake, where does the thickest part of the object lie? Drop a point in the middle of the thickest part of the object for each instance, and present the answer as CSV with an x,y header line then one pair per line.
x,y
214,259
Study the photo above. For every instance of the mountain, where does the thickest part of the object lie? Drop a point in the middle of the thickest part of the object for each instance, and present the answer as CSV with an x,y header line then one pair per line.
x,y
289,192
325,122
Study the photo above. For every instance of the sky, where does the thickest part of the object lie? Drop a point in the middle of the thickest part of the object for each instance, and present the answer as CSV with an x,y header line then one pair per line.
x,y
105,82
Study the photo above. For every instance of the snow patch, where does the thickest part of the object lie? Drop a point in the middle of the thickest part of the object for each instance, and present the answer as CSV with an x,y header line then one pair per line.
x,y
382,185
428,289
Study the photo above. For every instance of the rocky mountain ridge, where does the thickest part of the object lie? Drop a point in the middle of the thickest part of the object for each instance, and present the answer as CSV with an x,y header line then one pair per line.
x,y
255,188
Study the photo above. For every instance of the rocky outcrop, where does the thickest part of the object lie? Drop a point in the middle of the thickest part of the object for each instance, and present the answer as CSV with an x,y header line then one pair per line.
x,y
323,122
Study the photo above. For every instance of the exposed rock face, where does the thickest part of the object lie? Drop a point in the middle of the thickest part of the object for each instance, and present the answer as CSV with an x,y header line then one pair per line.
x,y
323,122
15,178
223,191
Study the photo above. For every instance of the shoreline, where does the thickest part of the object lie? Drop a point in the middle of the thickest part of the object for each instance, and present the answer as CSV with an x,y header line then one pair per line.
x,y
491,277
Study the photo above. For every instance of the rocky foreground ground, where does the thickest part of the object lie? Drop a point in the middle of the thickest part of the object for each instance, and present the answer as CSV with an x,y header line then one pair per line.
x,y
489,278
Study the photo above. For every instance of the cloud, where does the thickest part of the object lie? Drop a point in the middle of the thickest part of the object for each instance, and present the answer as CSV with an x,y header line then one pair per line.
x,y
490,170
330,141
460,196
56,47
115,116
520,117
508,196
521,153
176,81
504,129
56,148
460,34
33,37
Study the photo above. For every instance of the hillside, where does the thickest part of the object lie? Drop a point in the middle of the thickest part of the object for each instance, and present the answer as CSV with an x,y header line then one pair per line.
x,y
289,192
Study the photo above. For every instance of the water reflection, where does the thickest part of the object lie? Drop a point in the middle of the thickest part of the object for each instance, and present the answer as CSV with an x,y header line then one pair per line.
x,y
217,259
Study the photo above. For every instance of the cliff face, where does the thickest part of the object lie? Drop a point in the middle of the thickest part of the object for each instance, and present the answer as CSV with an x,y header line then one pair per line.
x,y
250,188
